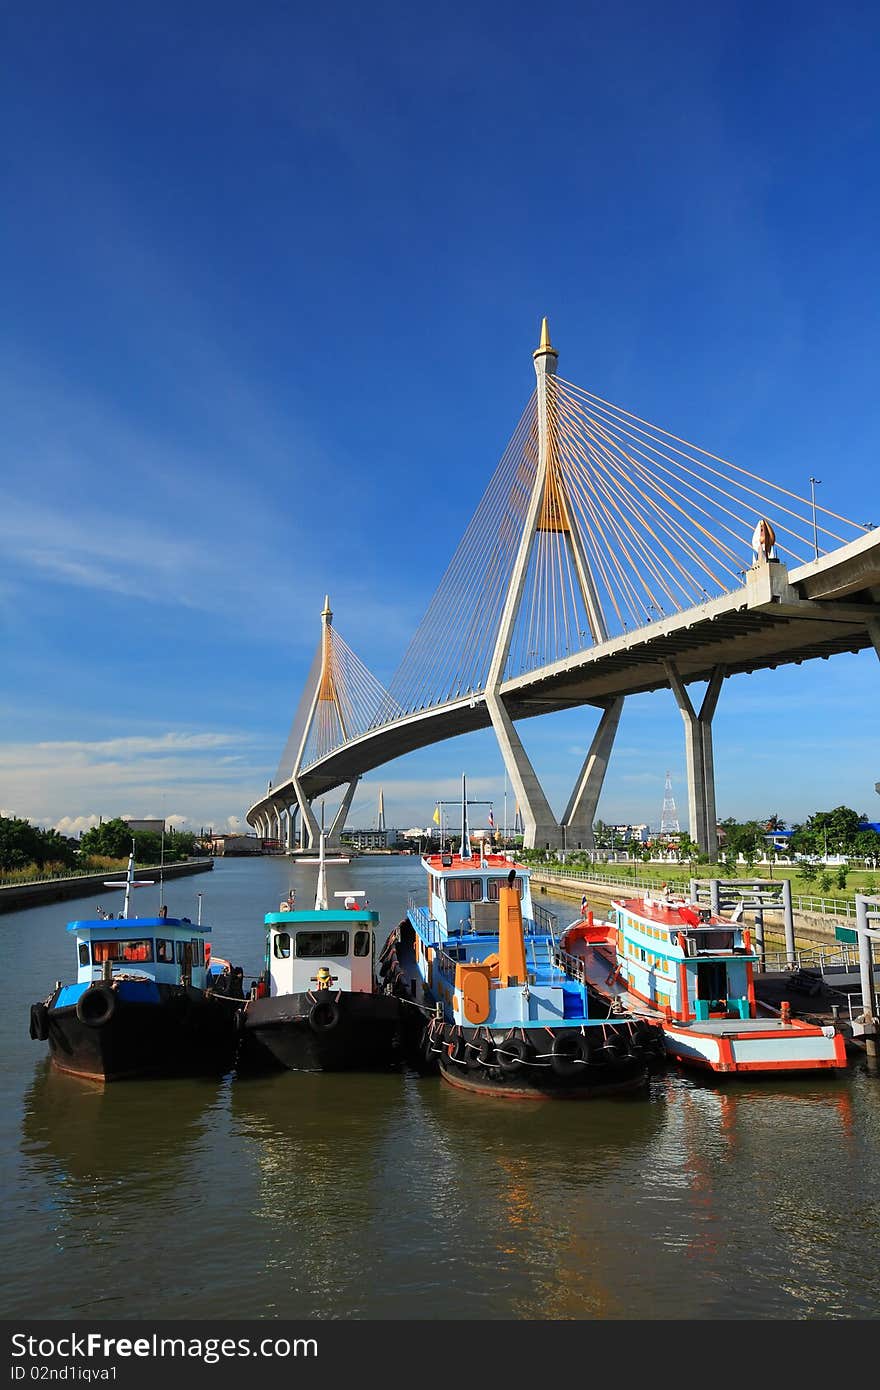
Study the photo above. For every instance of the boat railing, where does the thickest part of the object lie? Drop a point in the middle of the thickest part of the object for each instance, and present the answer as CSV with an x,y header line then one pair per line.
x,y
428,926
570,964
545,920
445,963
813,958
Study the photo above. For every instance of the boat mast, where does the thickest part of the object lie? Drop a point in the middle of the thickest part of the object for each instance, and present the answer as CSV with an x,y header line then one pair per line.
x,y
129,880
465,851
321,888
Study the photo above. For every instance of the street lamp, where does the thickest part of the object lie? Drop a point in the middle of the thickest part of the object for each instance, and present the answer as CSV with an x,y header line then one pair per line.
x,y
813,482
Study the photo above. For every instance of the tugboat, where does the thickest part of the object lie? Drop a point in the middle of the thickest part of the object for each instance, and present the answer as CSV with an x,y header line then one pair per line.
x,y
513,1015
139,1006
318,1005
692,972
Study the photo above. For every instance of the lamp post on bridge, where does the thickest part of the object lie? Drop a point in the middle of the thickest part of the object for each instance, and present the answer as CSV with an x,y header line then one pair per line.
x,y
813,482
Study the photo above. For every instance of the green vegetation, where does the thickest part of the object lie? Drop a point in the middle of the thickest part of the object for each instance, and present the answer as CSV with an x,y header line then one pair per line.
x,y
24,846
28,852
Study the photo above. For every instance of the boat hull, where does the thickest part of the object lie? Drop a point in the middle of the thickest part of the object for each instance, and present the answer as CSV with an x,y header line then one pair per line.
x,y
306,1032
565,1064
770,1047
160,1031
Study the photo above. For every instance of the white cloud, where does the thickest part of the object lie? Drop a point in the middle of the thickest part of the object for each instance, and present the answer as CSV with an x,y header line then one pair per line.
x,y
76,825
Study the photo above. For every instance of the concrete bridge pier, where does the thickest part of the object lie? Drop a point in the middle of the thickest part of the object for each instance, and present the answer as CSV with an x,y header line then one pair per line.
x,y
702,815
541,830
580,813
338,825
311,831
292,811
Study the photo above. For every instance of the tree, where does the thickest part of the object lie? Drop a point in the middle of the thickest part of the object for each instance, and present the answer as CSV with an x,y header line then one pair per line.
x,y
22,843
111,838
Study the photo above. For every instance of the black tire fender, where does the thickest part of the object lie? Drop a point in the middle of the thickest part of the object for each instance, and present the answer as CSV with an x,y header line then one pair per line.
x,y
513,1054
567,1054
39,1028
96,1006
325,1015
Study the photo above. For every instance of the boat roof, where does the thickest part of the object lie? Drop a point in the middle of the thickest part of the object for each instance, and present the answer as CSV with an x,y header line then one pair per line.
x,y
454,864
670,915
328,914
130,924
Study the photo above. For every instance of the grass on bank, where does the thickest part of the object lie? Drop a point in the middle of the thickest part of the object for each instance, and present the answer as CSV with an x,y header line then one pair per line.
x,y
825,884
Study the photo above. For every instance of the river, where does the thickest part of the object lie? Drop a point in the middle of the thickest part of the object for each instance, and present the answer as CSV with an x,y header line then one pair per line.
x,y
394,1196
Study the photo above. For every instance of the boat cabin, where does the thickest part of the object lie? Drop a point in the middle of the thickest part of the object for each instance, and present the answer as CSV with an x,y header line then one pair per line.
x,y
463,893
487,966
683,961
163,949
299,945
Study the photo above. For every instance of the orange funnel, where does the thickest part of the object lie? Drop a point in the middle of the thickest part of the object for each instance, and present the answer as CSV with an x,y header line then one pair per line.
x,y
511,942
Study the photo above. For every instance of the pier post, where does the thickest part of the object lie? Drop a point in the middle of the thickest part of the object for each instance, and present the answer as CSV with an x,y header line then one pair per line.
x,y
788,925
715,896
866,975
577,822
700,760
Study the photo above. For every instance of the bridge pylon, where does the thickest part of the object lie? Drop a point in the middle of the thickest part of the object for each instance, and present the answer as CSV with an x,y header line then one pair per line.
x,y
549,511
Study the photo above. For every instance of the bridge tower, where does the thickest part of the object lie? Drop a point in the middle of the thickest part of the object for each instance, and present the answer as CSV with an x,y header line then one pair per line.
x,y
549,511
325,707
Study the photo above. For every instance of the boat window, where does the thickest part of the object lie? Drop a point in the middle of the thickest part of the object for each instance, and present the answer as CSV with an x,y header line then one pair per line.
x,y
464,890
184,953
131,952
716,940
362,943
83,953
281,945
311,944
165,951
496,884
197,954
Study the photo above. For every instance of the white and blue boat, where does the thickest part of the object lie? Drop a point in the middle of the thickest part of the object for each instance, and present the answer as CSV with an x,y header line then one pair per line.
x,y
318,1005
140,1005
513,1014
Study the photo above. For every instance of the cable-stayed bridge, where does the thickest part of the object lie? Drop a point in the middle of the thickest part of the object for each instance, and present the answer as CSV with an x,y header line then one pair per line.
x,y
606,557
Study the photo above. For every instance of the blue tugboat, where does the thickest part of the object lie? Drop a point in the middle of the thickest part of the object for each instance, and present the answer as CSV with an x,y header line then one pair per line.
x,y
514,1015
140,1005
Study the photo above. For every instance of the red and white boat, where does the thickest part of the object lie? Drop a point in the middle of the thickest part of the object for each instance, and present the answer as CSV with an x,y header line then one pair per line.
x,y
693,973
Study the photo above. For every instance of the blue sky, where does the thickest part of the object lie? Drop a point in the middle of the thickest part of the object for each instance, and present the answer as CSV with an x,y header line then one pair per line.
x,y
273,276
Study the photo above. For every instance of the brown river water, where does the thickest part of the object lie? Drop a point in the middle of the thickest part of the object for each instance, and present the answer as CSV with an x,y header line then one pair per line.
x,y
395,1196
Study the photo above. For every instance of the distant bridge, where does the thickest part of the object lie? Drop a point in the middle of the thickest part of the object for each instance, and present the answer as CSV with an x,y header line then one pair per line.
x,y
607,557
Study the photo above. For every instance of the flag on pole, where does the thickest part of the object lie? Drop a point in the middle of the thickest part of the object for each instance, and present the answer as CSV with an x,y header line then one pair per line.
x,y
436,815
491,819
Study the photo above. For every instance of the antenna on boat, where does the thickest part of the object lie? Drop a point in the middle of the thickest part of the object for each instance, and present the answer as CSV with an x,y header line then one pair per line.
x,y
128,882
465,851
321,887
161,874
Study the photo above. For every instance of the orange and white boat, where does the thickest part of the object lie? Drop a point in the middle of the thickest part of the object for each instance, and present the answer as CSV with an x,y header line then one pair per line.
x,y
693,973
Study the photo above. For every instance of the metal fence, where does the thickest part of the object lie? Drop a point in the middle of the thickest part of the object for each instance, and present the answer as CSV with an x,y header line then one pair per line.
x,y
831,907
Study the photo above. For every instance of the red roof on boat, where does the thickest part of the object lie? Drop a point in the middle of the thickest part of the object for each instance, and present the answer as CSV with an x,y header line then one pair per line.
x,y
457,864
670,915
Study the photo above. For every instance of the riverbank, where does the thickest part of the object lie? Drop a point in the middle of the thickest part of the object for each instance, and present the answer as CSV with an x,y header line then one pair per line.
x,y
15,896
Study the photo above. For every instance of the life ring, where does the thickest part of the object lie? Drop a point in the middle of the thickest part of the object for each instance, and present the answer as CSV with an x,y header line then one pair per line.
x,y
325,1015
39,1022
566,1054
513,1054
96,1006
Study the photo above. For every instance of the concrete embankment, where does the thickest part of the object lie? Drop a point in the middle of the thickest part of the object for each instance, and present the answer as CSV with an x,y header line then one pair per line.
x,y
813,925
14,896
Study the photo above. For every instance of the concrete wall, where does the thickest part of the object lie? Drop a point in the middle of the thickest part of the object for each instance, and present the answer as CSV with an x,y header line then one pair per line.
x,y
18,895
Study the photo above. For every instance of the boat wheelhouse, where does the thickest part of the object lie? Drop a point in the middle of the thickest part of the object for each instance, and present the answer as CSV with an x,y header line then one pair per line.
x,y
511,1015
140,1004
693,971
318,1006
